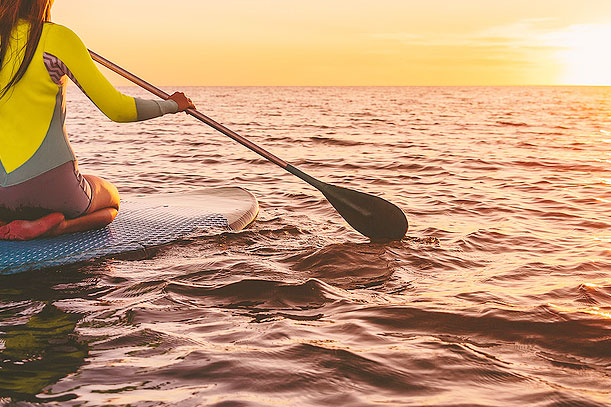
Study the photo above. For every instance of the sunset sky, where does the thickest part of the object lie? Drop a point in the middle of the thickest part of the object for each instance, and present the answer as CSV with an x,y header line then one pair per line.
x,y
350,42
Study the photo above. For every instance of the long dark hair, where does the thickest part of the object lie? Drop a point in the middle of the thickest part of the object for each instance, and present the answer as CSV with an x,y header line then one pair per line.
x,y
36,12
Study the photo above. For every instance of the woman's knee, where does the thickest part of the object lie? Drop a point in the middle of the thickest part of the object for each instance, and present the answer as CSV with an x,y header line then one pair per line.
x,y
104,194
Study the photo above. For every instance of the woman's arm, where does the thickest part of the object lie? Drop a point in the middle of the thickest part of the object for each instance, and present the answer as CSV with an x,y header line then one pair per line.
x,y
65,45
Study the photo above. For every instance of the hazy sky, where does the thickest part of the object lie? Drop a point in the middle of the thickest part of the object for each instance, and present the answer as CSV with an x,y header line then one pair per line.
x,y
349,42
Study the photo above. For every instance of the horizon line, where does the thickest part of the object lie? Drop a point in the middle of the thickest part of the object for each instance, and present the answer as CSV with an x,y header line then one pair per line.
x,y
380,86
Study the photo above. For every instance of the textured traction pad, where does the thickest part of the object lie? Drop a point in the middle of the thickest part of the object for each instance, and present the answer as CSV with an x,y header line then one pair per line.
x,y
140,224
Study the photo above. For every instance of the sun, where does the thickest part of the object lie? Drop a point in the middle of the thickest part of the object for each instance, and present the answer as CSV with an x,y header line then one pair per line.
x,y
585,55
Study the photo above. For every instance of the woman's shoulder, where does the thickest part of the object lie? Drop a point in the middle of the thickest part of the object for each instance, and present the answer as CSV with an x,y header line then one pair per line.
x,y
61,35
58,29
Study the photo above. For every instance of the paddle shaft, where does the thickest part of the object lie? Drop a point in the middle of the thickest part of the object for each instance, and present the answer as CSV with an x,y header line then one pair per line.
x,y
200,116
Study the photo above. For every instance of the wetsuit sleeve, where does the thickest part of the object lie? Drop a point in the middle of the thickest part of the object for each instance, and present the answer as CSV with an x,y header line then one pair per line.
x,y
64,44
148,109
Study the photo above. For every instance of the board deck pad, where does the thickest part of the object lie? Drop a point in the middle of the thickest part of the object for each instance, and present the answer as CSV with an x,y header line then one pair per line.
x,y
142,222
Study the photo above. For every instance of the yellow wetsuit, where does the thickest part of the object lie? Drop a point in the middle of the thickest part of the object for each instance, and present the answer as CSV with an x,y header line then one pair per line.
x,y
33,138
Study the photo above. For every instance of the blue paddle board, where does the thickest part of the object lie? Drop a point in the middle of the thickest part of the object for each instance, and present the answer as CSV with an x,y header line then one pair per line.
x,y
143,222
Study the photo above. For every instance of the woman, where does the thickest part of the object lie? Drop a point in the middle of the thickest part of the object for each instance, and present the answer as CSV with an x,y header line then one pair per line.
x,y
42,192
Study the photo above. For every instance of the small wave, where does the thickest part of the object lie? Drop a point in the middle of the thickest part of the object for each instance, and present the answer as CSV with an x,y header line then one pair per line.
x,y
260,294
559,165
590,294
345,265
513,124
557,335
336,142
413,167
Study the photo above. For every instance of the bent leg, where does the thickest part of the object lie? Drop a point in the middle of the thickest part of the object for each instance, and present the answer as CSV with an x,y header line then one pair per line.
x,y
102,210
104,194
95,220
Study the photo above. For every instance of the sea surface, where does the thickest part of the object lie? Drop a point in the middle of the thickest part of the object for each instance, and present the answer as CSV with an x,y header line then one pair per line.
x,y
500,295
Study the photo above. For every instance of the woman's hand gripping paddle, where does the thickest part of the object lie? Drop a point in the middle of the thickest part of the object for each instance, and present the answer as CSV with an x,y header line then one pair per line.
x,y
370,215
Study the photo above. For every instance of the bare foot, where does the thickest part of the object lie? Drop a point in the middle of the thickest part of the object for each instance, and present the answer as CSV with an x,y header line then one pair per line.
x,y
28,230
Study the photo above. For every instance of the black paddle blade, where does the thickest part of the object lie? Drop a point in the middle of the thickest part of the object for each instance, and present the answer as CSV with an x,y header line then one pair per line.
x,y
370,215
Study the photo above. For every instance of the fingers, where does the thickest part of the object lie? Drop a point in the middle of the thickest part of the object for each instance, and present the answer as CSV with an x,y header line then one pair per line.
x,y
183,101
191,105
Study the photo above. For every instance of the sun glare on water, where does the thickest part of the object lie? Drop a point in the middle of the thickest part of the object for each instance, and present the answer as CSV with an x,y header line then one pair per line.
x,y
586,55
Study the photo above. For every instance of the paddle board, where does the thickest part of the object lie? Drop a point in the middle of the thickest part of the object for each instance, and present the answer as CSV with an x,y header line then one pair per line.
x,y
143,222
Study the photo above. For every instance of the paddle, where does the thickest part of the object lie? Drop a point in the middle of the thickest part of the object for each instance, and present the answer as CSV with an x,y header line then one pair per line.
x,y
372,216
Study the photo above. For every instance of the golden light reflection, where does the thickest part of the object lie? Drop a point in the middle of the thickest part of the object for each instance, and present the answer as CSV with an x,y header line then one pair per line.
x,y
591,310
596,311
604,239
586,55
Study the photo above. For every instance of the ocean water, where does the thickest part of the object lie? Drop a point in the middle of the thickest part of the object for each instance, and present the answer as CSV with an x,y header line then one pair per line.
x,y
500,295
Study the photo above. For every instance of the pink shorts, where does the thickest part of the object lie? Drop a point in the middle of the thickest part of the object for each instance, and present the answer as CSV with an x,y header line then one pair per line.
x,y
62,189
